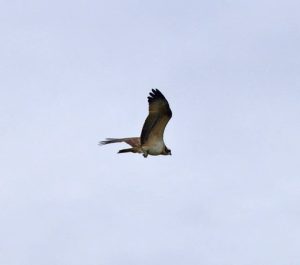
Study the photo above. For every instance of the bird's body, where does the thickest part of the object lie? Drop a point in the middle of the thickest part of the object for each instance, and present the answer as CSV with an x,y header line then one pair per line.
x,y
151,140
156,148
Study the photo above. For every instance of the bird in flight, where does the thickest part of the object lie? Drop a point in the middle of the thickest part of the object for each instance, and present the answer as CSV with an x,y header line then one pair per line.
x,y
151,141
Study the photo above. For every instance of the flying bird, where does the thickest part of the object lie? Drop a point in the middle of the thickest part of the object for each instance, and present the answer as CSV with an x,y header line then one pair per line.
x,y
151,141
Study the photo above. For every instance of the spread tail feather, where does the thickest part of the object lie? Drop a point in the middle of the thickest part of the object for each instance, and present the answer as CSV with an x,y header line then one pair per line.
x,y
133,141
111,141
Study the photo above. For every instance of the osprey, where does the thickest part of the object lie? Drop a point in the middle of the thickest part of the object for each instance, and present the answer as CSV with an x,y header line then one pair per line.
x,y
151,141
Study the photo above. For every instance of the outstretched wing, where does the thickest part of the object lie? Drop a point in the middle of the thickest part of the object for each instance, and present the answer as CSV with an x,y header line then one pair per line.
x,y
158,117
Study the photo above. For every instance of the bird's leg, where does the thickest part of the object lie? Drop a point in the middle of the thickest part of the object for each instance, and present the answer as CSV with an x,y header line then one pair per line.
x,y
144,151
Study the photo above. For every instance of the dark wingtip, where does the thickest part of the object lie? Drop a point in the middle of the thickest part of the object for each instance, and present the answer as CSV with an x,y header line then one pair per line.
x,y
155,94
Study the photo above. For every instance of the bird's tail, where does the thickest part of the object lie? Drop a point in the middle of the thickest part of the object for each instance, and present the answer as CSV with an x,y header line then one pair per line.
x,y
133,141
111,141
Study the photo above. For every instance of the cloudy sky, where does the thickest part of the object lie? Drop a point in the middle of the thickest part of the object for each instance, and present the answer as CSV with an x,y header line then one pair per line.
x,y
75,72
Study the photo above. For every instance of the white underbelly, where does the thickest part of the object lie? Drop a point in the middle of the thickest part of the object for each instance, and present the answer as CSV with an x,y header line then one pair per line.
x,y
156,149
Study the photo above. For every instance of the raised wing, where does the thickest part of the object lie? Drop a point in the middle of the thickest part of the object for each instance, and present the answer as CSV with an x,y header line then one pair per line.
x,y
158,117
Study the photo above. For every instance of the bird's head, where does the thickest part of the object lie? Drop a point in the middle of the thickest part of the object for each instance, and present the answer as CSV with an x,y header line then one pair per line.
x,y
167,151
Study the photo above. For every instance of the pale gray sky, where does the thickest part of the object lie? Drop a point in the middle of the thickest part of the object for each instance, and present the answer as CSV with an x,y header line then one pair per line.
x,y
75,72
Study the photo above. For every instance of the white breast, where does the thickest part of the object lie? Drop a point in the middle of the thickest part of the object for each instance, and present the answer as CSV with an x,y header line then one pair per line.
x,y
156,149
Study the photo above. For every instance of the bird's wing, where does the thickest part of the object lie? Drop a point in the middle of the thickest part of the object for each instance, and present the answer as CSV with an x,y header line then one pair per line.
x,y
158,117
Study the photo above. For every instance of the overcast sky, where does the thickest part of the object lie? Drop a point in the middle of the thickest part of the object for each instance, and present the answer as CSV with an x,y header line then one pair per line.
x,y
75,72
